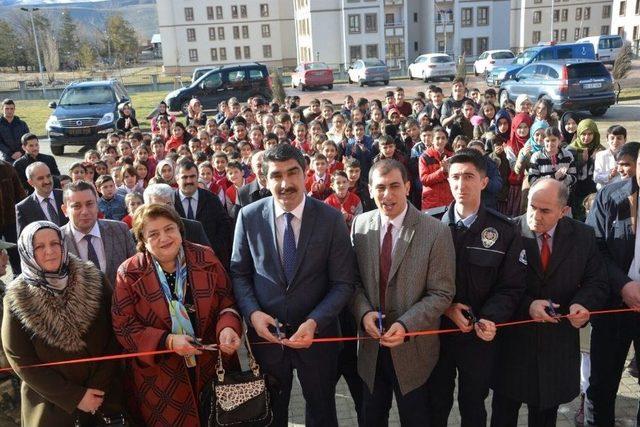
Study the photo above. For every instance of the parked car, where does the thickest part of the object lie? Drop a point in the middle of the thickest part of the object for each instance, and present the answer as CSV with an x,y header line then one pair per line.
x,y
432,66
201,71
367,71
85,112
491,59
571,85
312,74
540,53
241,81
607,47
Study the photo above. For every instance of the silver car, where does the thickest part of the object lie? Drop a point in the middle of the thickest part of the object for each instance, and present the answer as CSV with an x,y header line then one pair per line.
x,y
366,71
571,85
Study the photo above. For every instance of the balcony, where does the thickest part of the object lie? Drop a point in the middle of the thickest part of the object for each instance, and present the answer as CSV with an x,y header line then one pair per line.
x,y
393,2
395,24
441,27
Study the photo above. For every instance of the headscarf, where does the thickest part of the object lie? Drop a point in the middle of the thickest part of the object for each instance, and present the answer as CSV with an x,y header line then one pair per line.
x,y
540,124
516,142
32,273
503,114
159,167
567,137
520,100
587,124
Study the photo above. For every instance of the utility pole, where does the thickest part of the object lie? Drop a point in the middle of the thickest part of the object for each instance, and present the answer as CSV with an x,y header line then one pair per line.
x,y
35,38
551,34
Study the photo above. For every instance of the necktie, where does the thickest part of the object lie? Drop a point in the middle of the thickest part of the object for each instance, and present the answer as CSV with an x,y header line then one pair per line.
x,y
53,215
289,249
545,251
461,226
91,251
189,208
385,263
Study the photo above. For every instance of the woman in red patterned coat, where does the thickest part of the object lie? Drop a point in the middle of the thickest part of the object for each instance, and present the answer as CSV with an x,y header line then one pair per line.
x,y
168,294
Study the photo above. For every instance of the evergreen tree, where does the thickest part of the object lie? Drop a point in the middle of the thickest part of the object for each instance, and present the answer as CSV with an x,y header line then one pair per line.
x,y
9,46
68,43
121,40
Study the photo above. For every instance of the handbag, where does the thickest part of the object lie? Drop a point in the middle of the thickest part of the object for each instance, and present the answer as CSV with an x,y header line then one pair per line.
x,y
102,420
240,398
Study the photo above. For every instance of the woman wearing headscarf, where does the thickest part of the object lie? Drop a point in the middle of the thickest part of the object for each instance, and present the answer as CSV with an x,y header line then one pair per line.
x,y
162,110
195,116
568,125
533,145
523,104
165,296
584,146
165,174
58,309
519,135
502,122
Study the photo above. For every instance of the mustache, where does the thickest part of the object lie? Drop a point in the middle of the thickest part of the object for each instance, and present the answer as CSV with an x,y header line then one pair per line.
x,y
288,190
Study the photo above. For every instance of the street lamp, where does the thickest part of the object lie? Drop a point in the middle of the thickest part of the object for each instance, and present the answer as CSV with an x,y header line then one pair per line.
x,y
35,38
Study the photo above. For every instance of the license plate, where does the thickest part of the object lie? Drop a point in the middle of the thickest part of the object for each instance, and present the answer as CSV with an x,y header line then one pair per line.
x,y
79,131
592,85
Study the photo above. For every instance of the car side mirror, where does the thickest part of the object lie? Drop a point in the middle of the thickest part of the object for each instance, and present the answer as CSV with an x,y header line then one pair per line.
x,y
53,104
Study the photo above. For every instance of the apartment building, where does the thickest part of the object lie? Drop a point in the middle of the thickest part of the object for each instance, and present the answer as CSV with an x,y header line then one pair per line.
x,y
338,31
217,32
625,21
562,21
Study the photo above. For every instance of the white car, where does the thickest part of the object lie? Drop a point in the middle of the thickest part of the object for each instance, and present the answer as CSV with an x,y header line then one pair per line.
x,y
491,59
432,66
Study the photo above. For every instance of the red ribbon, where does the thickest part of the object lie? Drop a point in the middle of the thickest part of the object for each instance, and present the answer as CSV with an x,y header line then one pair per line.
x,y
313,341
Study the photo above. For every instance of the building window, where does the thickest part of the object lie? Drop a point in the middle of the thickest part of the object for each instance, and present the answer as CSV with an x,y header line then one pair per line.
x,y
234,12
266,50
415,17
223,54
537,17
247,52
191,34
264,10
389,18
604,30
585,31
537,1
212,33
587,13
372,51
238,51
219,15
210,12
556,15
637,7
354,24
606,11
576,34
563,35
415,46
483,16
440,45
355,52
214,54
555,35
467,16
578,14
467,47
565,15
536,37
193,55
482,44
371,23
266,30
243,11
220,33
636,32
188,14
621,31
236,32
245,31
623,8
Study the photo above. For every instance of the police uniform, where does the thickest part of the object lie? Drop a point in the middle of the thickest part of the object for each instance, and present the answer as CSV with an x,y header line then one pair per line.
x,y
490,278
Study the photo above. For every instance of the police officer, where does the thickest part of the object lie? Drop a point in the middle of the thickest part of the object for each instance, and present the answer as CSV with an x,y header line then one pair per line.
x,y
489,285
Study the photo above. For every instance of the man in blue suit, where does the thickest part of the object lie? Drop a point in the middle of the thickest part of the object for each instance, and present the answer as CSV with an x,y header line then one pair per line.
x,y
293,266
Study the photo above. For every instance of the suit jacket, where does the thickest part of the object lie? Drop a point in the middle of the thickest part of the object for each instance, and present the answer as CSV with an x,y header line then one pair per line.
x,y
215,221
117,241
30,210
539,363
323,280
249,193
24,161
420,288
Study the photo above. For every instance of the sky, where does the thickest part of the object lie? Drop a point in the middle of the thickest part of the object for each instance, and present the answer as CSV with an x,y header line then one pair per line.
x,y
43,2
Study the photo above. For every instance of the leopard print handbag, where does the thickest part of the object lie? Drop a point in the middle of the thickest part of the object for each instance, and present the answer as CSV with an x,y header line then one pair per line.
x,y
240,398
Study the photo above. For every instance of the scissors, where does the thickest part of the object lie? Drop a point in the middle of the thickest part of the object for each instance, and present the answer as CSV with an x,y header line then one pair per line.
x,y
471,317
197,342
550,309
278,333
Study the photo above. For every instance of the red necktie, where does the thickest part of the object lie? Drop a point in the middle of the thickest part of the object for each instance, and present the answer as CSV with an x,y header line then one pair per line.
x,y
385,263
545,251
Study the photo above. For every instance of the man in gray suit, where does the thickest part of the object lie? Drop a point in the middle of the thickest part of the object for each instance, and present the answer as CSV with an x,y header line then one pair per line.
x,y
104,242
406,262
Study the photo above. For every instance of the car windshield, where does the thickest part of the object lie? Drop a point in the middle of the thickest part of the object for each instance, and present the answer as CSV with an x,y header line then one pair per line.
x,y
440,59
88,95
525,56
373,63
584,71
316,66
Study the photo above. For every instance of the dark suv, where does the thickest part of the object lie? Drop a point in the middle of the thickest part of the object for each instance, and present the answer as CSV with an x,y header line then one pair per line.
x,y
86,112
241,81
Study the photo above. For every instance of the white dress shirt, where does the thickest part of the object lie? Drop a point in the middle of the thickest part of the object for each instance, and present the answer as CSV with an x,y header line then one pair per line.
x,y
43,204
468,221
549,240
185,203
395,231
96,241
604,162
281,223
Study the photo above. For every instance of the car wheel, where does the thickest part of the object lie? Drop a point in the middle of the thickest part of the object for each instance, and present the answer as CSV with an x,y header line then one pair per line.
x,y
451,78
410,75
361,83
598,111
424,77
503,97
330,86
386,82
349,79
57,150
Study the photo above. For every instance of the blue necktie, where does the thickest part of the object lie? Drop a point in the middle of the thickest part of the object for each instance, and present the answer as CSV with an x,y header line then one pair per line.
x,y
289,249
189,208
91,251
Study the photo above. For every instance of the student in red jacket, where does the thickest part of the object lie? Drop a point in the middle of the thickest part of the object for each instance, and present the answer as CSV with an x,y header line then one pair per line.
x,y
318,185
433,168
347,202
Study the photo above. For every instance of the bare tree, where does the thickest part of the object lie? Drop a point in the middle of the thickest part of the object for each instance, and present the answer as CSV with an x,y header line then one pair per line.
x,y
51,55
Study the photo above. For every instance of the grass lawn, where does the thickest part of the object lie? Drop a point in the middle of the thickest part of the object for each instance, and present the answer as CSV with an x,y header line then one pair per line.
x,y
36,113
